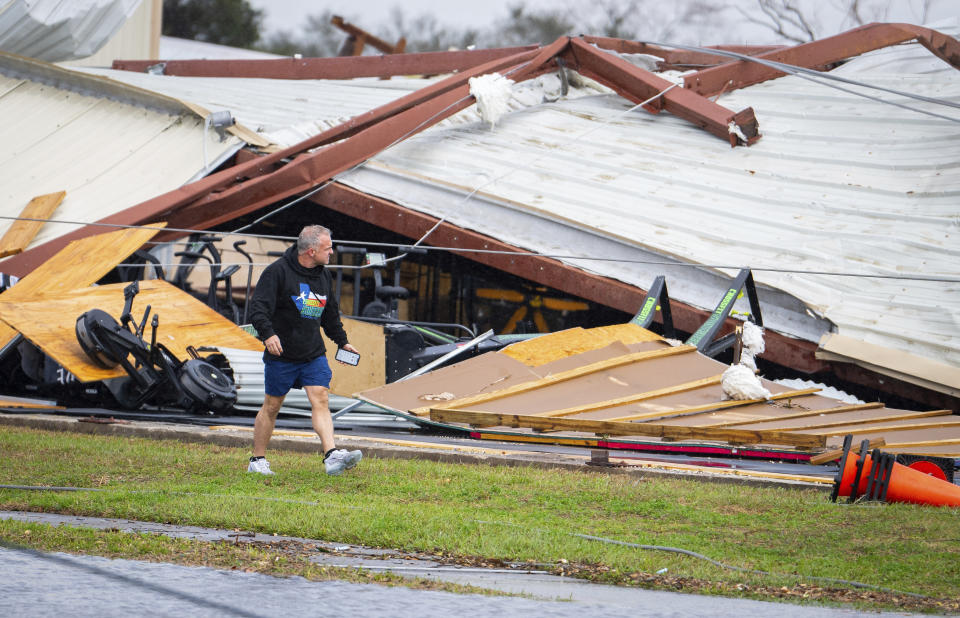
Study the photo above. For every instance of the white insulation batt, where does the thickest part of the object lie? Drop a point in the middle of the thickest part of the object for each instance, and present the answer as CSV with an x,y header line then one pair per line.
x,y
740,382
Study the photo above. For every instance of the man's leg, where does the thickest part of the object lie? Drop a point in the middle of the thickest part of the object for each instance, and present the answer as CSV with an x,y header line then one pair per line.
x,y
335,460
263,425
320,407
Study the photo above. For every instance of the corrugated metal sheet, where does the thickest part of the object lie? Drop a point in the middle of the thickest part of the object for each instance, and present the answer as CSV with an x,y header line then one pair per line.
x,y
139,38
284,111
57,30
107,145
837,184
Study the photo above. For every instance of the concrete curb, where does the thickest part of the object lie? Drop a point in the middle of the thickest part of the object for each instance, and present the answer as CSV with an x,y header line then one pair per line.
x,y
489,455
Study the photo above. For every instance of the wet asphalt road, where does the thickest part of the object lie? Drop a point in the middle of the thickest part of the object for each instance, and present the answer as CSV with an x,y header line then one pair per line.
x,y
55,584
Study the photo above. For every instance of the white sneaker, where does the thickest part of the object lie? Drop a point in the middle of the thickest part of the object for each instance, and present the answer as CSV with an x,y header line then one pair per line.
x,y
260,466
340,460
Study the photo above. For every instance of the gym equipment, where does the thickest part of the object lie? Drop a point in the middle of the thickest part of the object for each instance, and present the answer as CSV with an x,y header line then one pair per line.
x,y
156,376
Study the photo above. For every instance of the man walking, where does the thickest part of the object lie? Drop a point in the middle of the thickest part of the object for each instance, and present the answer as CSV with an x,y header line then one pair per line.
x,y
292,301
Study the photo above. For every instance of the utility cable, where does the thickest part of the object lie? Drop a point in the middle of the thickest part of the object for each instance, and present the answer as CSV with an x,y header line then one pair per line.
x,y
529,165
687,552
327,182
559,256
822,79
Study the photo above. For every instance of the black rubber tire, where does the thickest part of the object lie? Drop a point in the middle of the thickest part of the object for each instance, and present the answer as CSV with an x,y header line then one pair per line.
x,y
209,387
90,343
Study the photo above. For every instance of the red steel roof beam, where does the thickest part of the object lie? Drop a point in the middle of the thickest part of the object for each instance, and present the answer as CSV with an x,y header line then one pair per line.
x,y
638,85
428,63
742,73
307,170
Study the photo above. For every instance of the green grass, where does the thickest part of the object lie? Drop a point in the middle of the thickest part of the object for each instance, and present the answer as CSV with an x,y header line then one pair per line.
x,y
508,513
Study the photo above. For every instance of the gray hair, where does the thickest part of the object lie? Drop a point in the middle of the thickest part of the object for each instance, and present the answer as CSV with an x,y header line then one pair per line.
x,y
310,237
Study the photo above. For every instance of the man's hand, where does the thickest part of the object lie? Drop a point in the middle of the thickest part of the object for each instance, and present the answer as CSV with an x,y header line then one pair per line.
x,y
348,348
273,345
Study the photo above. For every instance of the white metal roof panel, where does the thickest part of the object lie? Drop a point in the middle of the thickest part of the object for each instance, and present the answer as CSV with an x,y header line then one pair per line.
x,y
284,111
57,30
838,183
108,146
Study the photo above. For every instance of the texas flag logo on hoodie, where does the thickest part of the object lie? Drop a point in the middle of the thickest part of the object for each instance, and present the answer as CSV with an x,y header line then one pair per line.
x,y
309,304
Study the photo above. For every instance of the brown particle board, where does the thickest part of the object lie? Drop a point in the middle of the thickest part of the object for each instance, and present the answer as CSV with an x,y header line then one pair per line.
x,y
843,419
565,376
619,401
780,415
902,435
946,423
22,231
184,321
474,376
729,403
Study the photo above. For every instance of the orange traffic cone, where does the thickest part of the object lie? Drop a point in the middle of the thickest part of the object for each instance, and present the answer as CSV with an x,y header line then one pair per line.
x,y
903,484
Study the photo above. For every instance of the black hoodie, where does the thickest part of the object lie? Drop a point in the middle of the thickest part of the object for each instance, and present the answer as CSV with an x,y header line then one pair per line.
x,y
289,301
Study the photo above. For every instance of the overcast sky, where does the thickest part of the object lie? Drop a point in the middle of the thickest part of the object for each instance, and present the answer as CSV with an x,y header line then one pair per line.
x,y
370,14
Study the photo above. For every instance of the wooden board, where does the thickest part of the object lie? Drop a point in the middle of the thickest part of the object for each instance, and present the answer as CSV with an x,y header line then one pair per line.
x,y
734,436
371,372
22,231
184,321
17,402
78,265
554,346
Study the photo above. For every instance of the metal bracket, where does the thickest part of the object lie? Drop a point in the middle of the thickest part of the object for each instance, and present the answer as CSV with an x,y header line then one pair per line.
x,y
657,299
704,337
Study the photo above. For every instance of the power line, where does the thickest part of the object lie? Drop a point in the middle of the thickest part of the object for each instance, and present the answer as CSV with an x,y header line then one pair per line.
x,y
817,76
557,256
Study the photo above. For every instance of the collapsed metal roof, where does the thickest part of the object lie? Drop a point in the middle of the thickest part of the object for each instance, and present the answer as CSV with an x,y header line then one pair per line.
x,y
108,145
837,184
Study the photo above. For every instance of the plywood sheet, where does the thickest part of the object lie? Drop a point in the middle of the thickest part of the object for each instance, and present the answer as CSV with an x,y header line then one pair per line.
x,y
78,265
554,346
22,231
184,321
371,372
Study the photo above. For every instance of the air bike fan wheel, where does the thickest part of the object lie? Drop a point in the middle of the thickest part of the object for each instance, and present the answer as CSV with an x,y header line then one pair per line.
x,y
87,326
207,386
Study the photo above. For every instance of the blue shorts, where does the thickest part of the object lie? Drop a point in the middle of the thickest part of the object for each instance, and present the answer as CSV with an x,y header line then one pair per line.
x,y
280,376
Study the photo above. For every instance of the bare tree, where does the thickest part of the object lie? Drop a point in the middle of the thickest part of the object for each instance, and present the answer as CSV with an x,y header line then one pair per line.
x,y
784,18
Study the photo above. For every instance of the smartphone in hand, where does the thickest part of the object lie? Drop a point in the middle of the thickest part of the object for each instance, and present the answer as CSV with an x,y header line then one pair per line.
x,y
348,357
